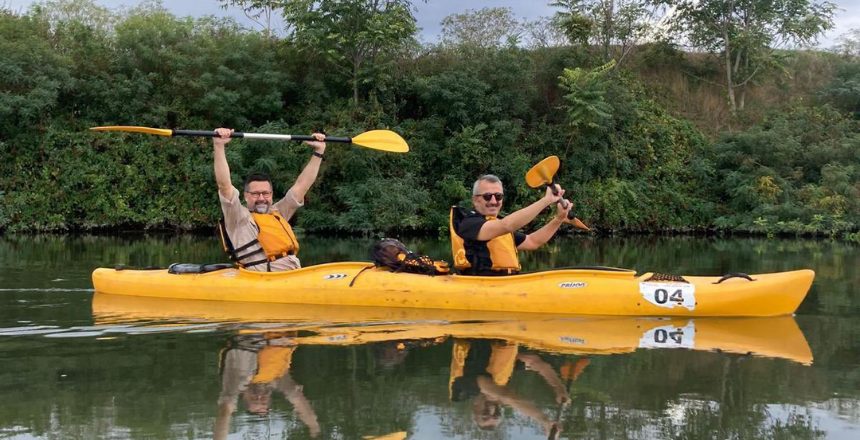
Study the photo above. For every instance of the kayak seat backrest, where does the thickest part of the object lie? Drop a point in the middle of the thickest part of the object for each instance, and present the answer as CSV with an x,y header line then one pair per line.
x,y
185,268
666,278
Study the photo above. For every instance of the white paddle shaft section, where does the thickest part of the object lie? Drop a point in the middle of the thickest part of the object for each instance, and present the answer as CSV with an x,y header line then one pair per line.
x,y
272,137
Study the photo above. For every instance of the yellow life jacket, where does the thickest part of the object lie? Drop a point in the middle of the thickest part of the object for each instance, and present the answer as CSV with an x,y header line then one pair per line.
x,y
499,367
502,249
272,363
275,237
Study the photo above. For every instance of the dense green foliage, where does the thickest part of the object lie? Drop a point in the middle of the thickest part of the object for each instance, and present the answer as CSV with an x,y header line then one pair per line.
x,y
844,92
796,172
466,109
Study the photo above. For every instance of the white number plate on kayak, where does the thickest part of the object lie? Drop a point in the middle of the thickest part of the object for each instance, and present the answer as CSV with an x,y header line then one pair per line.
x,y
669,295
669,336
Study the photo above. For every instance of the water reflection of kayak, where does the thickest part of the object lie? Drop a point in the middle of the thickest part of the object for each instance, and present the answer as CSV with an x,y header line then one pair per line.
x,y
777,337
596,291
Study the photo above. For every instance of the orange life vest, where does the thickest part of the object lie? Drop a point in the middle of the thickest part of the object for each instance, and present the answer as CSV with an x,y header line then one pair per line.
x,y
275,237
502,249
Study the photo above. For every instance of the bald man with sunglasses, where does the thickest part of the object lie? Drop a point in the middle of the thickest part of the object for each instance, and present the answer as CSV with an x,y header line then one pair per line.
x,y
490,243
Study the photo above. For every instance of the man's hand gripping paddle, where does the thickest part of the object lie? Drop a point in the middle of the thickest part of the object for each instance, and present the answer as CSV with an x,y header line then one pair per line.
x,y
544,174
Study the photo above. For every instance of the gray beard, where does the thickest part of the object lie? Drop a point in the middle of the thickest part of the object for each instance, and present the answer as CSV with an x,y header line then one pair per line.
x,y
262,209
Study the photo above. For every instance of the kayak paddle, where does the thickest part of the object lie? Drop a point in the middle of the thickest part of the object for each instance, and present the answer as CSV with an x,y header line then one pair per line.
x,y
544,174
384,140
569,372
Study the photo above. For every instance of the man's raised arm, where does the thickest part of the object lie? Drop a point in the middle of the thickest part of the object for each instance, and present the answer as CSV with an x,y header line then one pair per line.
x,y
222,169
518,219
309,173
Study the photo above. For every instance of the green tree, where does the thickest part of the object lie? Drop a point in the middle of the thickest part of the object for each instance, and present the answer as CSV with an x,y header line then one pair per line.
x,y
630,165
606,23
543,33
849,43
585,103
258,11
485,27
33,75
844,90
357,37
744,35
59,13
797,172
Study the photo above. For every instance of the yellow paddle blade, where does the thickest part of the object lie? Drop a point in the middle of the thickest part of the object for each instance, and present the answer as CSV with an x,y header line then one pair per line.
x,y
393,436
384,140
158,131
543,172
577,223
570,371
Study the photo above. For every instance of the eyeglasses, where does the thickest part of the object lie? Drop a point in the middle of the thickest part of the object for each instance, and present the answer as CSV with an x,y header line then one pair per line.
x,y
488,196
258,194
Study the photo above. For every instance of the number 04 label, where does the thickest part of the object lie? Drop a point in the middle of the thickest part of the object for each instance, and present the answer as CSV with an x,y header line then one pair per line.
x,y
669,295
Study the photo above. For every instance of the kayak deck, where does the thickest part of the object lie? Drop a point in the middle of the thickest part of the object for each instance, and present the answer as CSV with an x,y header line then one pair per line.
x,y
591,291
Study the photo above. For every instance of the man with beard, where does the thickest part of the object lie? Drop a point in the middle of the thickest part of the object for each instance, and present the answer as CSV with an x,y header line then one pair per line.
x,y
257,236
485,244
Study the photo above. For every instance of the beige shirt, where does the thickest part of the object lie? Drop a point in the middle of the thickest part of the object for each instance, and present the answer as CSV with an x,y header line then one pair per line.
x,y
242,229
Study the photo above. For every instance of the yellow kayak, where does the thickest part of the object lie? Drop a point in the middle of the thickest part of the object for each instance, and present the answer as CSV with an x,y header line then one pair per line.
x,y
777,337
589,291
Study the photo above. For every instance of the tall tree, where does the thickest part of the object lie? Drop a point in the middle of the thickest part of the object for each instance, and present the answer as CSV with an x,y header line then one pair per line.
x,y
486,27
355,36
744,35
258,11
606,23
543,33
59,13
849,43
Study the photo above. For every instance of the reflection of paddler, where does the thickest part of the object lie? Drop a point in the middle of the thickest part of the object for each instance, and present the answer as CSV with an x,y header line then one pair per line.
x,y
471,359
481,369
254,368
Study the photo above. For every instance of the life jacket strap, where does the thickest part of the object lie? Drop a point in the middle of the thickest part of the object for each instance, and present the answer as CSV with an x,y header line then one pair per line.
x,y
253,263
246,246
281,255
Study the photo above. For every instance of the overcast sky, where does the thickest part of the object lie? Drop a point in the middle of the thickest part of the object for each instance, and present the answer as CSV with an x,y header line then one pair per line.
x,y
433,11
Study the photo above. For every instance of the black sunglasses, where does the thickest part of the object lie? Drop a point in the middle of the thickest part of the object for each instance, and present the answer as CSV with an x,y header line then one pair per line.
x,y
488,196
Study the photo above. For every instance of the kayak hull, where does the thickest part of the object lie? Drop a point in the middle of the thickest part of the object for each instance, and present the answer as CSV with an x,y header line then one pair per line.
x,y
567,291
774,337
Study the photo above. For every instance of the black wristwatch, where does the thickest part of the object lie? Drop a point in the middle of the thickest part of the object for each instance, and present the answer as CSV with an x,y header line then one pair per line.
x,y
319,155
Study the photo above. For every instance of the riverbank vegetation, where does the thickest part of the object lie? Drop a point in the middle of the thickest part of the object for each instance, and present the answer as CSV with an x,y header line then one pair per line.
x,y
736,134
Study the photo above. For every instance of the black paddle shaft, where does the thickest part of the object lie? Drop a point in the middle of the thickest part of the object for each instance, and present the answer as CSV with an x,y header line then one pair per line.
x,y
570,214
304,137
238,134
202,133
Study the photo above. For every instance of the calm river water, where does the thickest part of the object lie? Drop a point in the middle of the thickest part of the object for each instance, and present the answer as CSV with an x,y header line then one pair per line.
x,y
74,365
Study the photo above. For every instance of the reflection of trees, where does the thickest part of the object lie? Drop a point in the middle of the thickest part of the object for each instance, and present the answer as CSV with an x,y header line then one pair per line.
x,y
705,396
735,414
155,386
159,386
